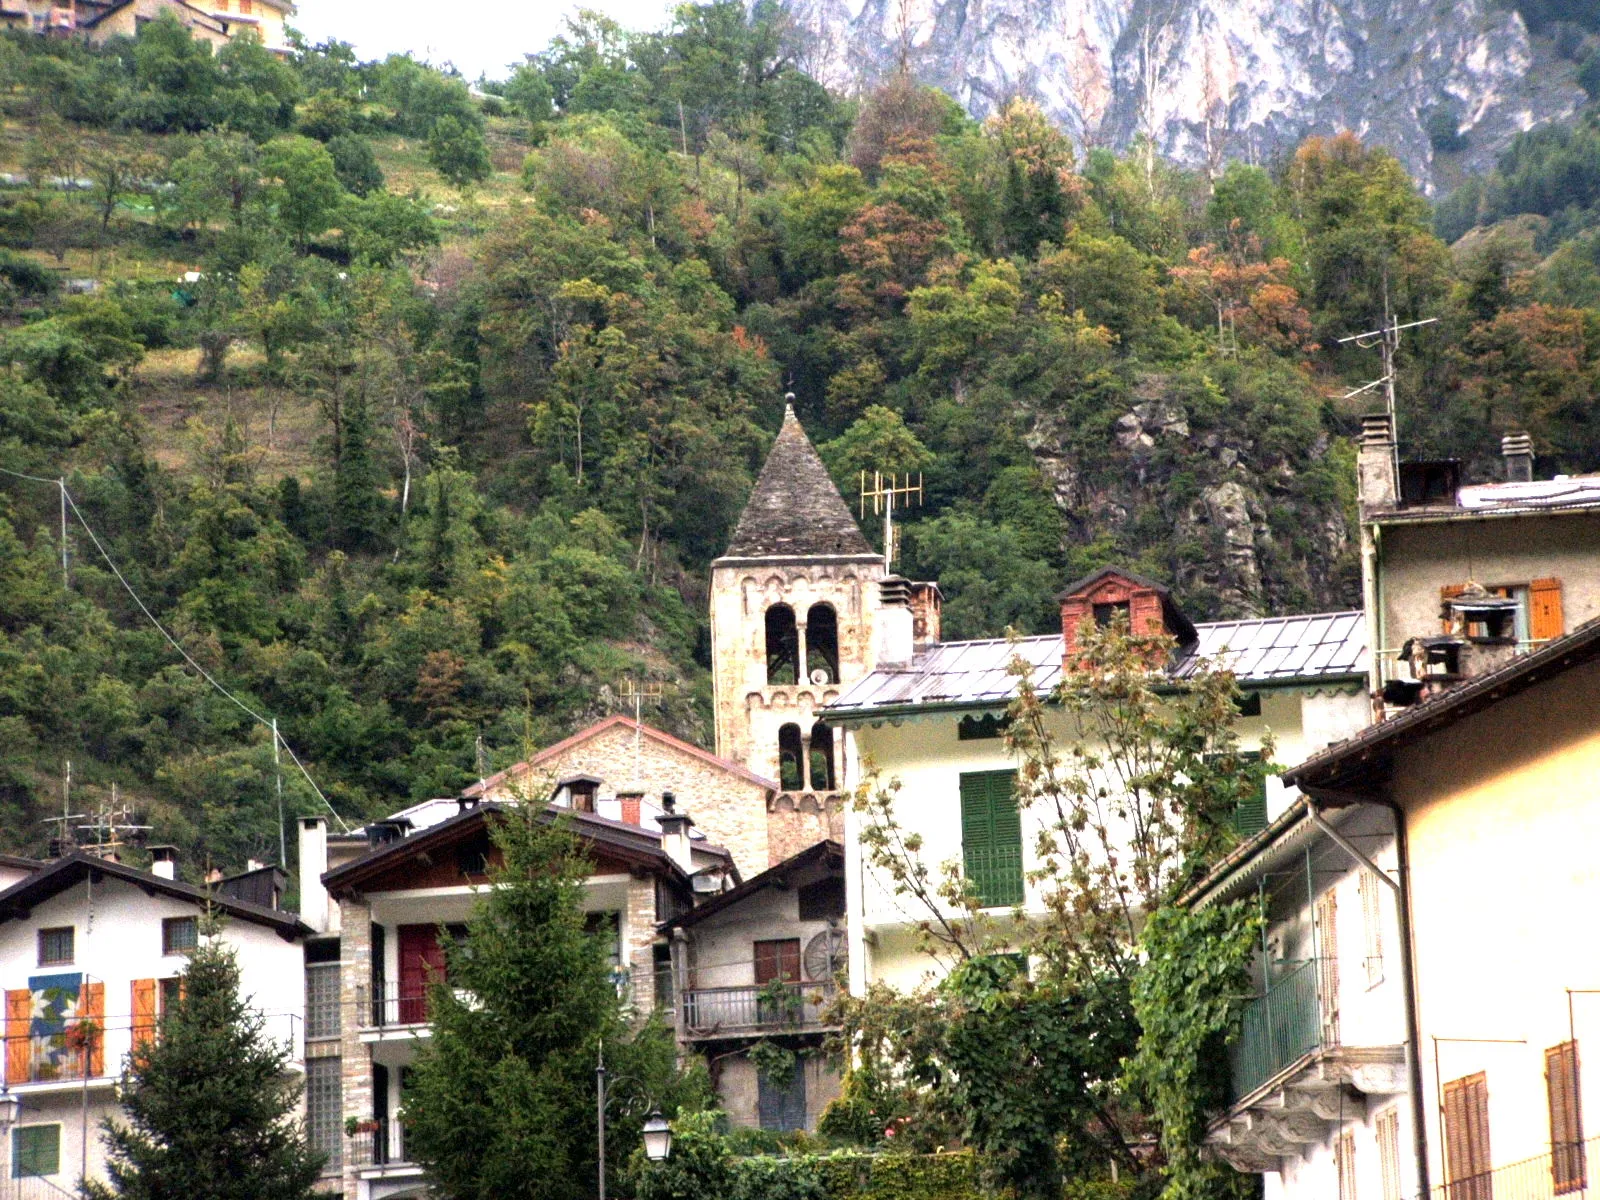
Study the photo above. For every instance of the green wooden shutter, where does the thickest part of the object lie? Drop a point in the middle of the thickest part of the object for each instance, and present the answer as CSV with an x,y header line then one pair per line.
x,y
991,836
1250,816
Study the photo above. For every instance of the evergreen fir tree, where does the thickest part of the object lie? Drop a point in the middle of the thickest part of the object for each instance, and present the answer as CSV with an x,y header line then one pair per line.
x,y
210,1103
357,502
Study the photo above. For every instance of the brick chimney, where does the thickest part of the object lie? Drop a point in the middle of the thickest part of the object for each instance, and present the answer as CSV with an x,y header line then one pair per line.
x,y
1517,450
927,612
1376,482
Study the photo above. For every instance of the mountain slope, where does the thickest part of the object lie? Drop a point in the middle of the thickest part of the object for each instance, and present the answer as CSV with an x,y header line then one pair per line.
x,y
1214,79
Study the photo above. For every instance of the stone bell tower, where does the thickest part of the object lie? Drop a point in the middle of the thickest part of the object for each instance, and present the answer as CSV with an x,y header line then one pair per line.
x,y
793,601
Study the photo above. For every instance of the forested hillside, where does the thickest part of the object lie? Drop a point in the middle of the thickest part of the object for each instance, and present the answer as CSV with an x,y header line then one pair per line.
x,y
416,413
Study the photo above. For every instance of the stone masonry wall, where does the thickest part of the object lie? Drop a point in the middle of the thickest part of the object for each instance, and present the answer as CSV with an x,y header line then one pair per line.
x,y
355,979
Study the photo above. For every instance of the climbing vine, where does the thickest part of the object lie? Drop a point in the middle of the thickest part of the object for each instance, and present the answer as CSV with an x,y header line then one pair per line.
x,y
1189,999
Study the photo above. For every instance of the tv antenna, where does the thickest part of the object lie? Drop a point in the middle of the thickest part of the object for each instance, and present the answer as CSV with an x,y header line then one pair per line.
x,y
63,843
110,823
638,694
1387,339
884,492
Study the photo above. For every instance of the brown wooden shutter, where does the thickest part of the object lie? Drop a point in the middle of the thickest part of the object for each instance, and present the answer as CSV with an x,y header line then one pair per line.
x,y
1466,1138
1545,620
777,960
1447,593
19,1016
1567,1166
144,1012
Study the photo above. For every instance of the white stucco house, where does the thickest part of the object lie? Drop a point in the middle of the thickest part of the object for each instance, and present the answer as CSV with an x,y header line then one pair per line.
x,y
929,717
91,951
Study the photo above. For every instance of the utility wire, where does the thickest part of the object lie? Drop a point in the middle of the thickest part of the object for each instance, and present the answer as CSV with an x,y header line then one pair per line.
x,y
176,645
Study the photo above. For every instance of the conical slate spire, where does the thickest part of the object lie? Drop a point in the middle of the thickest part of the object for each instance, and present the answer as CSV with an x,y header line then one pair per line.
x,y
795,511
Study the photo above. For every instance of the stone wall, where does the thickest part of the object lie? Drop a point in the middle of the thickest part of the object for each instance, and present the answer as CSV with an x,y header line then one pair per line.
x,y
355,981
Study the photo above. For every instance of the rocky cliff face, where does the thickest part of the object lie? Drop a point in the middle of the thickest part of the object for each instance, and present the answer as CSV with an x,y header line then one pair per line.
x,y
1208,80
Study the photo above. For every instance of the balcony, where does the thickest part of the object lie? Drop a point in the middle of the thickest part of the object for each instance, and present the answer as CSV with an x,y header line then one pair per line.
x,y
384,1146
995,872
1290,1074
757,1010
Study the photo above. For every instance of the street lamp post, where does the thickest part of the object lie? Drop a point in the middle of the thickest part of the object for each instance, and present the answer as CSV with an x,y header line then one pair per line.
x,y
10,1109
657,1132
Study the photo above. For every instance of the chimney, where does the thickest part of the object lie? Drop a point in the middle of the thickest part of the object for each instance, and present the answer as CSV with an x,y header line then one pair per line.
x,y
629,803
253,864
927,610
1376,484
214,875
313,852
164,861
1517,448
675,828
896,639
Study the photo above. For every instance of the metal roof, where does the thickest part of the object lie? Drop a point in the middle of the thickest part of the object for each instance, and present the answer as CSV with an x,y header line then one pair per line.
x,y
1273,650
1564,493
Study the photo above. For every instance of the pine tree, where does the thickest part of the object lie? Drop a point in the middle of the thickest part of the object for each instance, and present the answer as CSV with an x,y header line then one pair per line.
x,y
501,1100
210,1103
357,502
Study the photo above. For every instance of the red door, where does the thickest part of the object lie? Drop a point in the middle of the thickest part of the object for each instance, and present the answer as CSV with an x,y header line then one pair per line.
x,y
421,961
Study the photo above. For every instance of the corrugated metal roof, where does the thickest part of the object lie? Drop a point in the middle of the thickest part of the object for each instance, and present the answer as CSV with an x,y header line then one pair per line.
x,y
1564,491
1271,650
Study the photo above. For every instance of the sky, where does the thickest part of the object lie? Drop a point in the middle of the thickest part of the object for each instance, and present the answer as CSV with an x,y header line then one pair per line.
x,y
483,36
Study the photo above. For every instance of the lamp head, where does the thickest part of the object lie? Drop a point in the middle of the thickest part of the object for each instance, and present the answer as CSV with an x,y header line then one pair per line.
x,y
657,1137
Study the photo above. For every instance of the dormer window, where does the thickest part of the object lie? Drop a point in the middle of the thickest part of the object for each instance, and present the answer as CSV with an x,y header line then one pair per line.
x,y
1105,614
581,793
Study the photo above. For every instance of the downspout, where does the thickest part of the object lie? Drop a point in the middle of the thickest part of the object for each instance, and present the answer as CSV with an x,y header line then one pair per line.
x,y
1408,976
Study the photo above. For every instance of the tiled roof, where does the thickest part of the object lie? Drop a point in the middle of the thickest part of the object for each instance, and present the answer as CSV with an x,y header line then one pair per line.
x,y
795,510
1276,648
1306,649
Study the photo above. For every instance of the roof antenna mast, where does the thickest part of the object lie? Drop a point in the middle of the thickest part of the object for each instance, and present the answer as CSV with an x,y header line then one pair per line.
x,y
883,493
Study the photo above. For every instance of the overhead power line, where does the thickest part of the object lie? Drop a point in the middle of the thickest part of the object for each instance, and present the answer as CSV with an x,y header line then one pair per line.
x,y
265,721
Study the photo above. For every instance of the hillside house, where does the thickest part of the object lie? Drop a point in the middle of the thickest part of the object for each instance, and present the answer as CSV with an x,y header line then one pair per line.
x,y
90,955
759,963
931,716
1460,578
392,888
1490,789
215,22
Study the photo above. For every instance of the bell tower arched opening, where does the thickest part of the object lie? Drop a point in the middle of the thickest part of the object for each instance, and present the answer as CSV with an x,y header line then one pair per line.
x,y
822,644
791,758
783,646
821,755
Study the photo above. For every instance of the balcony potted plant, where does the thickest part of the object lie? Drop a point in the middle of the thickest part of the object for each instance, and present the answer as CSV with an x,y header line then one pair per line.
x,y
354,1126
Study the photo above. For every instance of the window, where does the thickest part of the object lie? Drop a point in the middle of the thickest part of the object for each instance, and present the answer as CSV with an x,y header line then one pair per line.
x,y
1371,888
822,757
991,837
581,794
1567,1165
607,927
1344,1158
1466,1138
1387,1134
322,1000
246,7
661,962
791,759
977,729
778,959
1248,704
180,935
171,994
781,1104
55,946
35,1150
822,644
1545,620
1104,614
783,646
822,900
324,1110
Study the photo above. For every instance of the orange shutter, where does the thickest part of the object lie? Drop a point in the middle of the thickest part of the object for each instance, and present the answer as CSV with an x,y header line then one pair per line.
x,y
1446,594
1466,1137
1567,1173
1544,610
144,1011
19,1015
92,1008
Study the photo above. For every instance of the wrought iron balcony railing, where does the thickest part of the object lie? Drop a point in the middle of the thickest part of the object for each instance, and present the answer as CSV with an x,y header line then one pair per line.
x,y
767,1008
1281,1026
383,1146
1561,1171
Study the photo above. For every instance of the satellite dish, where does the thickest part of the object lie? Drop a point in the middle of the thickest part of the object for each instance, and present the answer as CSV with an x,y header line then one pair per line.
x,y
823,956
